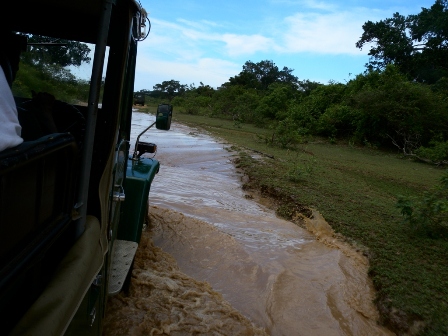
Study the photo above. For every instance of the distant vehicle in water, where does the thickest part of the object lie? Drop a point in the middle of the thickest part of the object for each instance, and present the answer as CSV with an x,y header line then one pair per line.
x,y
139,99
73,202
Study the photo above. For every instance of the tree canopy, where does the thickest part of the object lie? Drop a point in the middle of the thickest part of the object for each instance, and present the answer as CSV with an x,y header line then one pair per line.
x,y
168,89
262,74
47,50
416,44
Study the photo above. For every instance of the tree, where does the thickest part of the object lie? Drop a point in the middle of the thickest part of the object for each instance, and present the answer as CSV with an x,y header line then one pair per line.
x,y
169,89
307,86
145,92
235,102
391,108
430,29
274,105
204,90
309,110
416,44
50,51
196,100
262,74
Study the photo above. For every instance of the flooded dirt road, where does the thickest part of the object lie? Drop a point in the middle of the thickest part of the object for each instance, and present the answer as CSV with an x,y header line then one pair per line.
x,y
276,274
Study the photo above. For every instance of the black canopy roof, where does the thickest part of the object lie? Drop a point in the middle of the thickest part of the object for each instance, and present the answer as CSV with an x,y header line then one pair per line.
x,y
73,20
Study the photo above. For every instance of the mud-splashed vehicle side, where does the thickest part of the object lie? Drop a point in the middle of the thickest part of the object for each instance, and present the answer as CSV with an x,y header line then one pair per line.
x,y
73,202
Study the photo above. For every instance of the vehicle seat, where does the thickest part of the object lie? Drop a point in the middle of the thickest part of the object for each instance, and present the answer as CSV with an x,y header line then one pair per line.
x,y
36,199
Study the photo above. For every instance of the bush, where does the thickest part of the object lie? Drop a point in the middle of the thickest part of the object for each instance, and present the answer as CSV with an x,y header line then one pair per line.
x,y
307,112
274,104
298,172
338,120
287,134
437,152
390,106
429,213
235,103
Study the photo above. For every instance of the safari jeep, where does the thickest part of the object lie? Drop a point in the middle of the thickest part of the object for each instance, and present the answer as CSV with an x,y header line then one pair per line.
x,y
73,202
139,99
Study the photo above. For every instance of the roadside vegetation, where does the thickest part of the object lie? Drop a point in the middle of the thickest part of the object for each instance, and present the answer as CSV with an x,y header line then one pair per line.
x,y
358,189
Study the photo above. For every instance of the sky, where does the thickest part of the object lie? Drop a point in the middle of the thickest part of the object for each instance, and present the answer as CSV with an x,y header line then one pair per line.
x,y
209,41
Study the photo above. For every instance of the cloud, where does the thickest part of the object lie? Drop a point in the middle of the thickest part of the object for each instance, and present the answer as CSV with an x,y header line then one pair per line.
x,y
187,37
322,5
324,32
309,4
202,24
246,44
331,33
213,72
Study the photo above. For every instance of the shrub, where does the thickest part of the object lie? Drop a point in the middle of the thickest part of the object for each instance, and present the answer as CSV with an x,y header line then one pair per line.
x,y
392,108
287,134
338,120
437,152
429,213
299,172
225,102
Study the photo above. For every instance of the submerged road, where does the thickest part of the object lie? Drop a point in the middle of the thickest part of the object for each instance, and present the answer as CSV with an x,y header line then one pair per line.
x,y
276,274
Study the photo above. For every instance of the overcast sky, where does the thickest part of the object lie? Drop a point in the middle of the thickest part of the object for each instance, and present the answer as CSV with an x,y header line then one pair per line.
x,y
196,41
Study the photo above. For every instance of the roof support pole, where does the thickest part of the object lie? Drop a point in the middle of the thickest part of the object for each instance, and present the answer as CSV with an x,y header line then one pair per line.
x,y
92,110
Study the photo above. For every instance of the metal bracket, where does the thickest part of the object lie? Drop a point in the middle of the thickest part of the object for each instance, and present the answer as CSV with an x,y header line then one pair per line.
x,y
119,196
98,280
92,316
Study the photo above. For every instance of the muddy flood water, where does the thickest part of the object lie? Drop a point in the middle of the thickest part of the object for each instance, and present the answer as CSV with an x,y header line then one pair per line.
x,y
213,261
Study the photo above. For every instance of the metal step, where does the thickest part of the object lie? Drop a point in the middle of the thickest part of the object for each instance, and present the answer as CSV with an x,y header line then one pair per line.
x,y
122,256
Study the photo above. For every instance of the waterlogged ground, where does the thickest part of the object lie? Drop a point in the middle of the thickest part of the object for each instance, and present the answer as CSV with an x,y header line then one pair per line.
x,y
213,261
164,300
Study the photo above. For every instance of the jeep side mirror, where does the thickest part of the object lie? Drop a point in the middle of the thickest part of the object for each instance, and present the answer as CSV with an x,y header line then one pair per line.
x,y
163,122
163,116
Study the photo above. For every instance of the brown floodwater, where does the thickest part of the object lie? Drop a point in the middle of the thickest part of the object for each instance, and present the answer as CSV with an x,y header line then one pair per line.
x,y
214,261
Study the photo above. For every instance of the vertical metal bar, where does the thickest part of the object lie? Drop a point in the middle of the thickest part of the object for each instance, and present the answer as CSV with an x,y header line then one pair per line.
x,y
92,110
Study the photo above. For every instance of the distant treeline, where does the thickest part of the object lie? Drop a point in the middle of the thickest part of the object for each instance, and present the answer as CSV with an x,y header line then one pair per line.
x,y
378,108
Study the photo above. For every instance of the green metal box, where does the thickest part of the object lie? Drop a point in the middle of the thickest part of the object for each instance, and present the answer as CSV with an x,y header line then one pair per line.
x,y
139,176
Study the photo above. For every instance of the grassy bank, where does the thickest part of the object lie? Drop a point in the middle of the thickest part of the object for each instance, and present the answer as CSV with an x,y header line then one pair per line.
x,y
356,189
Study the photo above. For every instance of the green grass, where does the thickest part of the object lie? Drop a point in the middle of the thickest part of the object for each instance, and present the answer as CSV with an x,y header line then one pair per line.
x,y
356,189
